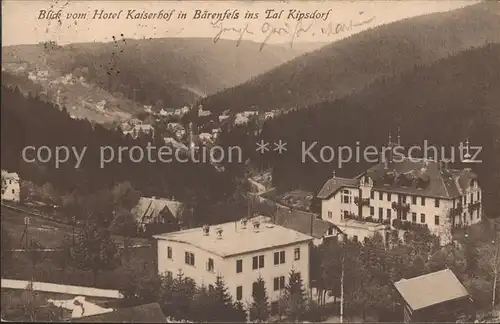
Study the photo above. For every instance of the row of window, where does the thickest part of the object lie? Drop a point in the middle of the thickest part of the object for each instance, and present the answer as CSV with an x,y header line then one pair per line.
x,y
278,284
404,215
347,199
257,261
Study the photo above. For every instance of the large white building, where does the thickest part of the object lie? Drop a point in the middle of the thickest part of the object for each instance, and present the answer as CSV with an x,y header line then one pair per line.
x,y
10,186
418,191
238,252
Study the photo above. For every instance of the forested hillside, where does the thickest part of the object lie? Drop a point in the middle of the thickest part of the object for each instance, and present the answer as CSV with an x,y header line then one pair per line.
x,y
349,65
445,103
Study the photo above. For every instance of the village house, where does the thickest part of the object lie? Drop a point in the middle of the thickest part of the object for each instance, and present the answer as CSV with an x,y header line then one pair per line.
x,y
203,113
262,250
167,112
406,193
157,215
10,186
139,129
176,129
433,298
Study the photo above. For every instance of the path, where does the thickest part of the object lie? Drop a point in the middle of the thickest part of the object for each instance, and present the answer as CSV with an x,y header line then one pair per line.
x,y
62,289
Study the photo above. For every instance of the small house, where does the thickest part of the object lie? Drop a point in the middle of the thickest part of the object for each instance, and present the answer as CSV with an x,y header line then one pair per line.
x,y
157,215
434,297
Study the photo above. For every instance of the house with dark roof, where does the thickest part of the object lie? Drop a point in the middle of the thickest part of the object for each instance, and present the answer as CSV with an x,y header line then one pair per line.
x,y
157,215
405,192
306,223
149,313
434,297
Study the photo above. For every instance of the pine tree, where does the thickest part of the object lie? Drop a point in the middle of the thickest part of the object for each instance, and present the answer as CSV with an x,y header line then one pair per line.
x,y
223,309
295,297
259,309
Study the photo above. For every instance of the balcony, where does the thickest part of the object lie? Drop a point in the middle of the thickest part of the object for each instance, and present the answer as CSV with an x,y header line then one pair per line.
x,y
368,219
362,202
458,210
474,206
407,225
401,207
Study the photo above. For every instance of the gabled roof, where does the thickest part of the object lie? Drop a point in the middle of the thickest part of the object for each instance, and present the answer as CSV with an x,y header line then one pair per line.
x,y
333,185
148,209
403,176
303,222
149,313
431,289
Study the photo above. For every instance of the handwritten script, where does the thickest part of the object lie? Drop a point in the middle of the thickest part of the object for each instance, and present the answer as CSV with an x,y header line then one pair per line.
x,y
290,31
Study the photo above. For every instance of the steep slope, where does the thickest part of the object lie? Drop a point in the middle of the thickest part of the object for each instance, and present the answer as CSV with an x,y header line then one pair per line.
x,y
176,71
445,103
350,64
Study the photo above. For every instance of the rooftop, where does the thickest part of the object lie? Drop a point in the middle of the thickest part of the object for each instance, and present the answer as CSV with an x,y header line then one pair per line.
x,y
248,240
353,223
148,209
303,222
422,177
149,313
431,289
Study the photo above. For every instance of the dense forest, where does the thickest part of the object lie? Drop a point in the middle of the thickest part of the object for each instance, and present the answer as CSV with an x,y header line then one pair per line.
x,y
350,64
26,120
454,99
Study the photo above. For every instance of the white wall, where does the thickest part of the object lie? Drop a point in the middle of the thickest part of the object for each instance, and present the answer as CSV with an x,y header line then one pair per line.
x,y
10,189
226,267
336,207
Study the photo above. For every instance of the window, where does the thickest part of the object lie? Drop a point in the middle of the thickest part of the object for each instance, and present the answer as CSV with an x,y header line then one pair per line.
x,y
345,196
422,201
372,211
189,258
279,257
355,238
346,213
13,191
471,198
388,196
389,213
258,262
436,202
169,252
296,254
380,196
404,216
380,213
414,200
414,217
478,196
422,218
169,274
210,265
329,214
372,194
279,283
465,200
254,287
239,266
436,220
239,292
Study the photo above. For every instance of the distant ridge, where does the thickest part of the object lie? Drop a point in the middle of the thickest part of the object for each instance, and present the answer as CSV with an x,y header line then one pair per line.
x,y
350,64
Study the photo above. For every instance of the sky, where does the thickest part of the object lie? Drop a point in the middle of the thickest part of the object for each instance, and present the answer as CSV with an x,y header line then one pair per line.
x,y
22,22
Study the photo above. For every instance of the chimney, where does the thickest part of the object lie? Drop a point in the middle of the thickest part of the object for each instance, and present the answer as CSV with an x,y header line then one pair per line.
x,y
206,230
219,232
256,226
244,223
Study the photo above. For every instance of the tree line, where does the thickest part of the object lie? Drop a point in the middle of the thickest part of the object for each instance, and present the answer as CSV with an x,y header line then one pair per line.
x,y
182,299
27,120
